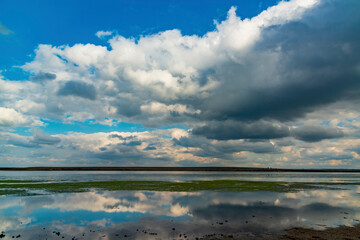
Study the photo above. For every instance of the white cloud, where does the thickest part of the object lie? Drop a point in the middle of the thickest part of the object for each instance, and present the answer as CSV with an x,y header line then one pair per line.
x,y
103,34
11,118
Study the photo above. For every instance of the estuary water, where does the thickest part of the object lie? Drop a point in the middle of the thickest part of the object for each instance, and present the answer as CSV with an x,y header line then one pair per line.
x,y
207,214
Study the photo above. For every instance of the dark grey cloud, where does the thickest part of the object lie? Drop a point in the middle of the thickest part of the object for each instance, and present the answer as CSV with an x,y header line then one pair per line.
x,y
42,138
35,141
121,137
132,143
128,107
127,154
127,140
240,130
191,141
54,109
224,149
284,142
42,77
295,69
316,133
80,89
150,147
249,146
22,143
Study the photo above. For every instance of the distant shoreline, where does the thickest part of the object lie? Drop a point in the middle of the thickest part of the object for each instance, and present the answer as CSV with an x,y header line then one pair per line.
x,y
186,169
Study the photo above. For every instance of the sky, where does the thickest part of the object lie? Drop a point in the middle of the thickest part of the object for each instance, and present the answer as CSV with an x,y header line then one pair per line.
x,y
180,83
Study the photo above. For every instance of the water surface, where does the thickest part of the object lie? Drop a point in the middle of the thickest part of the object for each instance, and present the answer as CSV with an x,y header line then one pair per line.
x,y
102,214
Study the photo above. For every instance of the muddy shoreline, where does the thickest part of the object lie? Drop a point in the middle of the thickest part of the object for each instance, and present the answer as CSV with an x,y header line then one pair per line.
x,y
341,232
336,233
296,233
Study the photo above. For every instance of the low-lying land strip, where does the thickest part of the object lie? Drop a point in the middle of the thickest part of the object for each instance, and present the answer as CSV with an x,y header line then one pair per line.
x,y
18,187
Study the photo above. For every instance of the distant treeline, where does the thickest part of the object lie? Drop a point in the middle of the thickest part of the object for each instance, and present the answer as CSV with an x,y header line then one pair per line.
x,y
197,169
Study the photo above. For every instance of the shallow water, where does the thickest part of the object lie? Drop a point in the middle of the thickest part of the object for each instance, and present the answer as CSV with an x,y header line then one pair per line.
x,y
176,176
167,215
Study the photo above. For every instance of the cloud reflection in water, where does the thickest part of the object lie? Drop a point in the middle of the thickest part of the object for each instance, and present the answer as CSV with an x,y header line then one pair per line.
x,y
151,215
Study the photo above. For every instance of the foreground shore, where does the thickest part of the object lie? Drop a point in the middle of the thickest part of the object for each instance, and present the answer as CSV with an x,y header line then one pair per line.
x,y
337,233
342,232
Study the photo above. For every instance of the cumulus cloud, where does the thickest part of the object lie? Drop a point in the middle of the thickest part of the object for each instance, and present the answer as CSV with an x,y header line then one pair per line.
x,y
103,34
9,117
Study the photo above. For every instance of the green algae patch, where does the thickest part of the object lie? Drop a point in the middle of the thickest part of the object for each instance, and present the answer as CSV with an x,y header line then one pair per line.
x,y
45,187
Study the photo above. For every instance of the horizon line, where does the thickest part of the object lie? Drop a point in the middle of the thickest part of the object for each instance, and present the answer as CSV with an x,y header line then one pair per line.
x,y
174,168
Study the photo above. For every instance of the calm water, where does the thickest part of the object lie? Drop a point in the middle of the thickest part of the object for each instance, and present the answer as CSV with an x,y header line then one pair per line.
x,y
174,215
176,176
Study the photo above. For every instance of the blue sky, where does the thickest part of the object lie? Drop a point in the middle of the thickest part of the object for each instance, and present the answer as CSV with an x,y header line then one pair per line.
x,y
180,83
